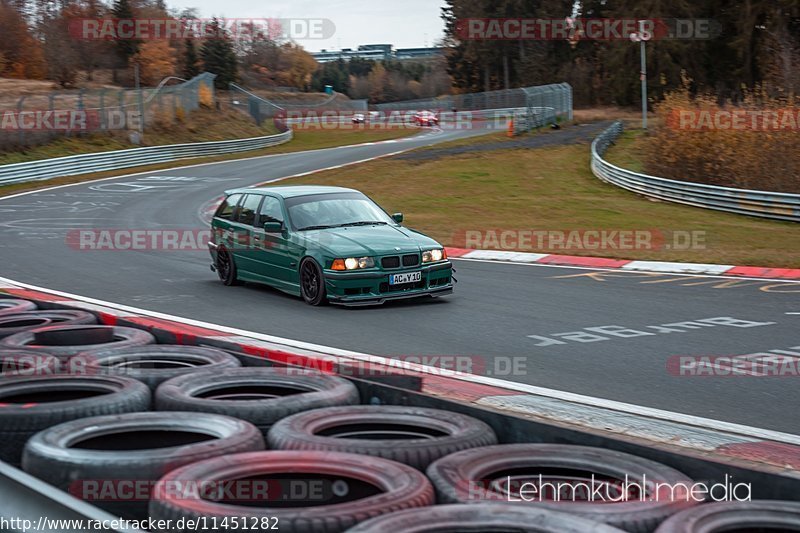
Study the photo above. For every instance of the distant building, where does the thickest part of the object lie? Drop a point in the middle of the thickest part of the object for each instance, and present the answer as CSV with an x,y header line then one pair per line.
x,y
417,53
376,52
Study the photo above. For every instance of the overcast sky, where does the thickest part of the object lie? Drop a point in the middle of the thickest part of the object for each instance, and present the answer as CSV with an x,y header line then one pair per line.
x,y
403,23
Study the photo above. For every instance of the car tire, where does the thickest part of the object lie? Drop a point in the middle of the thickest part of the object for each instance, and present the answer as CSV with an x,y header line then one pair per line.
x,y
11,324
456,480
36,403
312,283
156,363
226,268
266,394
756,515
421,435
66,341
10,306
123,449
28,363
370,487
481,517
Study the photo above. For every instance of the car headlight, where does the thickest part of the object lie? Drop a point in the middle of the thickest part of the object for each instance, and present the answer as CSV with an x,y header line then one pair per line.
x,y
431,256
353,263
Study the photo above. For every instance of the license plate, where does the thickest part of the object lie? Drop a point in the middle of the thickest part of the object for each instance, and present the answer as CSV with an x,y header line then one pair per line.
x,y
406,277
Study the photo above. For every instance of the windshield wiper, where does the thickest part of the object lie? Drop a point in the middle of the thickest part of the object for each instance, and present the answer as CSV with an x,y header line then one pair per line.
x,y
365,223
310,228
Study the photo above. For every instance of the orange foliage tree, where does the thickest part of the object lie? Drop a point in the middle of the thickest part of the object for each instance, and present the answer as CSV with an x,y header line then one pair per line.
x,y
156,61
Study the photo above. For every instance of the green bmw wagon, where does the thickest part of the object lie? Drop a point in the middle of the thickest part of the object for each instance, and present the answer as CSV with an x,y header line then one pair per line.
x,y
326,244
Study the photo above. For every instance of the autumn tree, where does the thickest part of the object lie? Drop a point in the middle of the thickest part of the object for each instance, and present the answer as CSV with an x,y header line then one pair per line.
x,y
156,61
21,52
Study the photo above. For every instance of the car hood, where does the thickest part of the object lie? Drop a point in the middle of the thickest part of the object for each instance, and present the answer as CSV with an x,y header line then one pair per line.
x,y
372,241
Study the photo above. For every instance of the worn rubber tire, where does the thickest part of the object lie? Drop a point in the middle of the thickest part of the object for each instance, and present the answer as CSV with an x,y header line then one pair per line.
x,y
122,337
182,360
28,363
455,478
756,515
13,323
21,416
400,487
481,517
10,306
51,455
320,297
319,390
441,432
228,277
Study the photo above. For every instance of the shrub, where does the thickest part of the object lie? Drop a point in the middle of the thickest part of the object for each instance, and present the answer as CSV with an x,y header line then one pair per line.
x,y
693,143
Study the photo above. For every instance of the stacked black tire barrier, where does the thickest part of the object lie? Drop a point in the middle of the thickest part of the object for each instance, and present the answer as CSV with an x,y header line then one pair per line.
x,y
31,404
10,306
411,435
367,487
759,515
259,395
481,517
13,323
80,396
476,476
155,363
107,457
66,341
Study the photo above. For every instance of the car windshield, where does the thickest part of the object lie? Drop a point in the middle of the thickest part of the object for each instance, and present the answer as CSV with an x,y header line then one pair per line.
x,y
322,211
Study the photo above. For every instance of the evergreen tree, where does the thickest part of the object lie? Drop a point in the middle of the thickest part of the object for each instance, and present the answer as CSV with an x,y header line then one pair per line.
x,y
219,56
125,48
190,60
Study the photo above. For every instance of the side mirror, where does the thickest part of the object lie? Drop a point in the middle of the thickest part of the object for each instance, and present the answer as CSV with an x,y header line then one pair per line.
x,y
398,217
273,227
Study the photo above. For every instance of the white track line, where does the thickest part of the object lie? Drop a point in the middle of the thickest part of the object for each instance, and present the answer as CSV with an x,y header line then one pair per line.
x,y
633,272
657,414
162,170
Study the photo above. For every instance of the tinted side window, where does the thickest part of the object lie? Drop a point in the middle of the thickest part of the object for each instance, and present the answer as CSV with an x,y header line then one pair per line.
x,y
270,211
247,212
225,211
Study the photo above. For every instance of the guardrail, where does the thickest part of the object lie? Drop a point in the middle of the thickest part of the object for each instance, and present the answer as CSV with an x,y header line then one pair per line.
x,y
75,165
764,204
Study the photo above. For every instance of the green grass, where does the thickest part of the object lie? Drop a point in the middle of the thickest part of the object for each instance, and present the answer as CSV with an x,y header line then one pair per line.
x,y
554,189
627,152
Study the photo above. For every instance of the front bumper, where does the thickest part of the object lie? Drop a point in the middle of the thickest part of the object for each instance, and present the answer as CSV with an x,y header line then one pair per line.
x,y
372,287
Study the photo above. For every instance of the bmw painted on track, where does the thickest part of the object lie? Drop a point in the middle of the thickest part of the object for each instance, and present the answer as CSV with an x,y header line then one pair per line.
x,y
326,244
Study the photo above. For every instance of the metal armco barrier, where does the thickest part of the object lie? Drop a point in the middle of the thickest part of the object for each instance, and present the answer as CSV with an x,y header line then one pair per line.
x,y
764,204
118,159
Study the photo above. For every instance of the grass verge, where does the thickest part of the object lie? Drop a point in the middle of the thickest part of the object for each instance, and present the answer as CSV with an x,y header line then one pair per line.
x,y
554,189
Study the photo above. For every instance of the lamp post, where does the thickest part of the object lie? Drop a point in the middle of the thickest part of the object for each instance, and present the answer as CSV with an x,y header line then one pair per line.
x,y
641,37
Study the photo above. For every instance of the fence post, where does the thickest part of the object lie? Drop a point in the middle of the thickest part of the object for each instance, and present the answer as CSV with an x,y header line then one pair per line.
x,y
21,134
103,122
